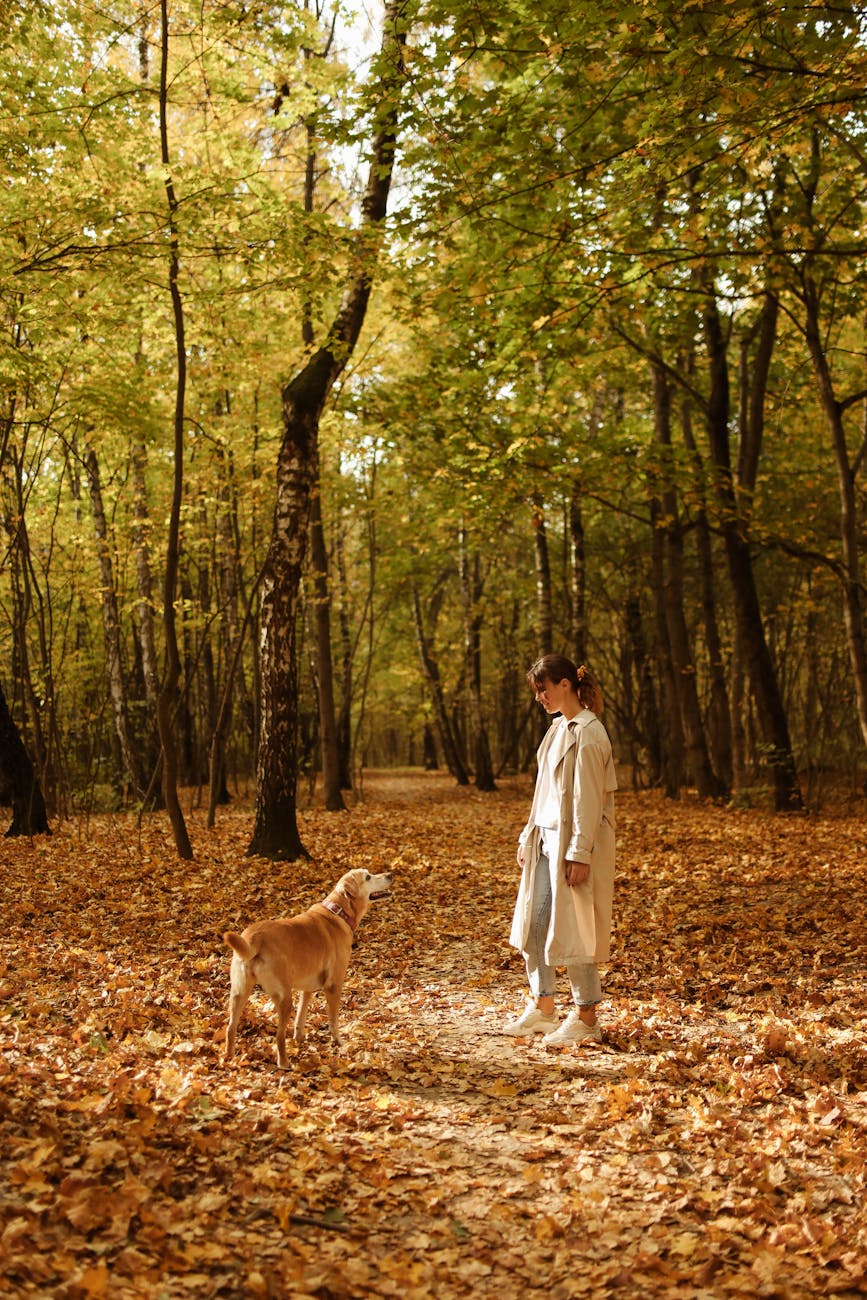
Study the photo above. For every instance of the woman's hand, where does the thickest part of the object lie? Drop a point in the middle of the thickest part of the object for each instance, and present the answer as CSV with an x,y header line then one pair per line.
x,y
521,856
577,872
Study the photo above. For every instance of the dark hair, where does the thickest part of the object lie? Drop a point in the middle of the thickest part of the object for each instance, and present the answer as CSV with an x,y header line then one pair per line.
x,y
554,668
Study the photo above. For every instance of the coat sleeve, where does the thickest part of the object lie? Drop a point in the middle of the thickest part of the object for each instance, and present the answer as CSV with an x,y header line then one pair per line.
x,y
588,800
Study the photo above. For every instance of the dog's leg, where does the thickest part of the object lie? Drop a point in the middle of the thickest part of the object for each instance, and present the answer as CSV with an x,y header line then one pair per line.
x,y
332,999
283,1007
304,1001
242,986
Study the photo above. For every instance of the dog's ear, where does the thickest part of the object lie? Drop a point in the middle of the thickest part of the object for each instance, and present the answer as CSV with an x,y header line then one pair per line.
x,y
350,885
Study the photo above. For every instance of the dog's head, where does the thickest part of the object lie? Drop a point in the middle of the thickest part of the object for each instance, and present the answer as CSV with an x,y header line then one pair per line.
x,y
358,888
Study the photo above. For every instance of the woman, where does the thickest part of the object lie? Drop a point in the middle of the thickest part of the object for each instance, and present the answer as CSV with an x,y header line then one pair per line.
x,y
566,855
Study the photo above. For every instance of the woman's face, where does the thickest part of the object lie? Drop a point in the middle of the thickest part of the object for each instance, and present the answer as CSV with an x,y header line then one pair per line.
x,y
557,697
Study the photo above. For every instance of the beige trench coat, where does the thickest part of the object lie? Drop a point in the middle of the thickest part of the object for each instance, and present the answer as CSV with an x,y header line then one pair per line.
x,y
580,928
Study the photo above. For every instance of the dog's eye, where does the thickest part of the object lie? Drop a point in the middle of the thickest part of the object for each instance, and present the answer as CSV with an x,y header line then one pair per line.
x,y
367,875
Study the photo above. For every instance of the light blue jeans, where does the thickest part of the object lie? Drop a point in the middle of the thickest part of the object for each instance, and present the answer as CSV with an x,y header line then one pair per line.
x,y
583,976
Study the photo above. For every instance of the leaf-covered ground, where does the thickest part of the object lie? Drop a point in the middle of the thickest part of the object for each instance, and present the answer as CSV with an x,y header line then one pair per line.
x,y
713,1146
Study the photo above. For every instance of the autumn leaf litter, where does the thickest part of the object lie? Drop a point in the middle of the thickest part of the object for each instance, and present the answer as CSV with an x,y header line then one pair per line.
x,y
713,1145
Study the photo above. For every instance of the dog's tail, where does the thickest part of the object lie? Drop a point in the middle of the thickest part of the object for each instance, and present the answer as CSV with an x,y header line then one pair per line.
x,y
239,943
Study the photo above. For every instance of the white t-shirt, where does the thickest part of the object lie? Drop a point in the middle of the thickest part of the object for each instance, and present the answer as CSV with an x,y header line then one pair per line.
x,y
548,808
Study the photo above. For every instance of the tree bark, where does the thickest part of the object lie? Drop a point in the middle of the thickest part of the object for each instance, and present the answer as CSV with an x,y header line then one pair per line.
x,y
577,576
19,783
145,605
664,740
429,749
471,591
719,725
644,710
28,602
111,632
431,672
544,604
683,664
275,833
167,699
847,474
233,634
324,658
144,608
324,665
344,715
735,530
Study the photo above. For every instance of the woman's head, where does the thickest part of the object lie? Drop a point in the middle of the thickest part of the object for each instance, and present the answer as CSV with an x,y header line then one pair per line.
x,y
555,669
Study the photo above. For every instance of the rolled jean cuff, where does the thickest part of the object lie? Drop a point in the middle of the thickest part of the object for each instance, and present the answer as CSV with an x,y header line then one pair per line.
x,y
585,984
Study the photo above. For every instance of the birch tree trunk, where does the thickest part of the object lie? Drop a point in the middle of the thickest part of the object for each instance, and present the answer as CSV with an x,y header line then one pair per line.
x,y
275,833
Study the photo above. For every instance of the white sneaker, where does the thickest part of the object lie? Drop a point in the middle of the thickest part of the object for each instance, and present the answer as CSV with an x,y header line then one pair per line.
x,y
573,1030
530,1021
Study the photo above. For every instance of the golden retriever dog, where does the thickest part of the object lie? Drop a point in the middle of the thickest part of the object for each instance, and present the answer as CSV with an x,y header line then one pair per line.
x,y
304,953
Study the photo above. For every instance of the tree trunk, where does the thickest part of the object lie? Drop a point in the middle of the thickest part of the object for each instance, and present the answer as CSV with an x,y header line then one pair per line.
x,y
145,605
577,576
111,630
344,715
738,697
735,530
644,714
275,833
847,472
224,712
664,739
19,784
167,699
28,603
429,749
431,672
144,609
697,756
719,717
471,591
324,658
324,665
230,585
544,605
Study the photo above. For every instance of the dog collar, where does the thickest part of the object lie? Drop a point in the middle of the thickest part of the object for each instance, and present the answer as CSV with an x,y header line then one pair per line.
x,y
339,911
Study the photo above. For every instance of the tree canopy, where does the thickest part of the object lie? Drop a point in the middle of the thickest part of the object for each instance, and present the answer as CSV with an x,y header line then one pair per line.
x,y
609,396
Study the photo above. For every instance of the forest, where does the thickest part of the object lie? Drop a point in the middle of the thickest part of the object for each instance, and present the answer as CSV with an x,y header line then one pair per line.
x,y
352,360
